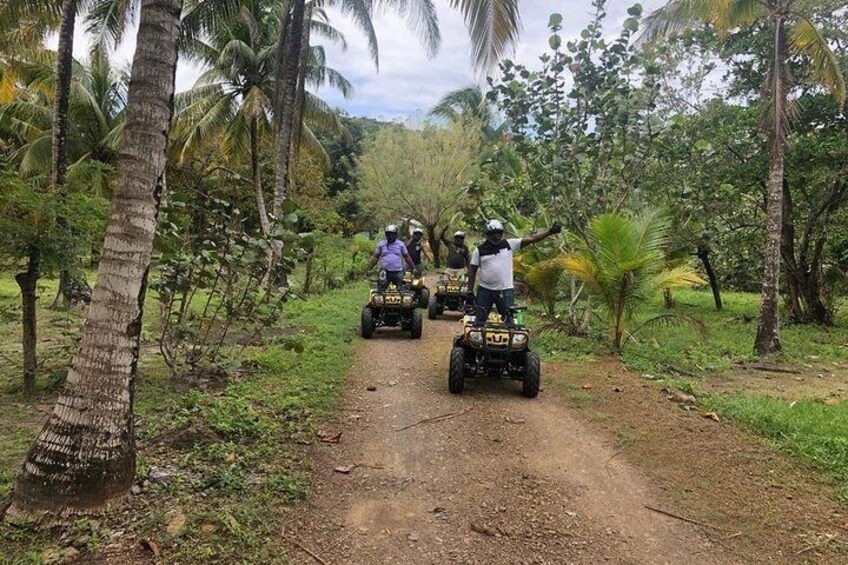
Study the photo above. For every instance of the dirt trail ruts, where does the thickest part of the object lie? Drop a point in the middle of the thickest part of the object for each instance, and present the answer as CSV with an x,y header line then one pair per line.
x,y
512,480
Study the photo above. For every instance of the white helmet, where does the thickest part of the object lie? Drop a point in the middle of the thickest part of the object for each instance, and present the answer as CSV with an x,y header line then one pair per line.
x,y
459,234
418,230
391,228
494,225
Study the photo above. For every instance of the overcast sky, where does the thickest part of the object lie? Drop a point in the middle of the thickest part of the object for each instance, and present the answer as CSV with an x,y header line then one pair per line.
x,y
409,82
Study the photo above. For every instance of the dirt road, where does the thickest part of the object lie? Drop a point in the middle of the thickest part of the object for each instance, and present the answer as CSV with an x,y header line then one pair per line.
x,y
507,480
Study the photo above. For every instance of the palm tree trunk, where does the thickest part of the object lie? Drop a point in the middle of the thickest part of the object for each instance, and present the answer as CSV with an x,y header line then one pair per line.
x,y
70,288
261,210
256,174
768,332
668,299
64,61
28,281
85,454
300,95
291,37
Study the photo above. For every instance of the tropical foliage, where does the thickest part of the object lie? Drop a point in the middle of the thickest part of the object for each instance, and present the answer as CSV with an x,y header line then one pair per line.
x,y
421,175
623,264
793,34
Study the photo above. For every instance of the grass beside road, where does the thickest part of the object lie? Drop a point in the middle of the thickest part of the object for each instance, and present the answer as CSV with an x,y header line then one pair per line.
x,y
230,449
729,339
814,431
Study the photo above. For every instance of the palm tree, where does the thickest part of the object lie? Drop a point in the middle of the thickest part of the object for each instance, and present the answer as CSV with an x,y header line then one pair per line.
x,y
95,115
466,105
493,26
622,262
794,34
95,110
23,23
85,453
233,97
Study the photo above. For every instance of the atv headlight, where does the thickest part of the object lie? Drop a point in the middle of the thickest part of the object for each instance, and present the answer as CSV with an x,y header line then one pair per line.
x,y
440,288
407,300
379,300
476,337
519,340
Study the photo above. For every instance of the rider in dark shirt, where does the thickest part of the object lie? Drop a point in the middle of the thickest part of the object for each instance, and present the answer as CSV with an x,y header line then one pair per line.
x,y
416,246
458,253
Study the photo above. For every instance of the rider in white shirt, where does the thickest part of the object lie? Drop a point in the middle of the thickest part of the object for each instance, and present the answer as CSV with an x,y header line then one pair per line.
x,y
493,262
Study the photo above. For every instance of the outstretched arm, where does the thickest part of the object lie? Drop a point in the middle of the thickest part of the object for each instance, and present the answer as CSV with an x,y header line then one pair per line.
x,y
537,237
442,237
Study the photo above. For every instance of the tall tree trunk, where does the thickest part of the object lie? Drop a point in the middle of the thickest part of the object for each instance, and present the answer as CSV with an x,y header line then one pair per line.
x,y
61,100
285,109
668,299
261,210
85,454
256,175
27,281
768,331
704,256
71,288
300,96
787,253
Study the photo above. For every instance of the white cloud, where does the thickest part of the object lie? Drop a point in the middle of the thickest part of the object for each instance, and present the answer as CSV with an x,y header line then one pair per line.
x,y
409,82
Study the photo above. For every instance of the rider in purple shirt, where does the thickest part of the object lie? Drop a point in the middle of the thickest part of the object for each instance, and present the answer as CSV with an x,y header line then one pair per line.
x,y
391,254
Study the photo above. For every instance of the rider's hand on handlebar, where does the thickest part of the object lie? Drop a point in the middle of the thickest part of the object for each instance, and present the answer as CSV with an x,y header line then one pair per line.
x,y
555,228
416,271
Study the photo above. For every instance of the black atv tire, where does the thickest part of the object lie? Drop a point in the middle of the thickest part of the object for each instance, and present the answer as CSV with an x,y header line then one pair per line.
x,y
367,324
417,324
456,373
532,375
424,298
433,308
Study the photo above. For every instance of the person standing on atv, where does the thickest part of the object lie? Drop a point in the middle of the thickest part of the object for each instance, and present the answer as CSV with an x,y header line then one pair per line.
x,y
493,261
416,247
458,254
391,254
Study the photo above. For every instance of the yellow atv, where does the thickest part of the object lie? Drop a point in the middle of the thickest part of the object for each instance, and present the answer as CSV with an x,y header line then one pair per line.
x,y
416,285
450,295
393,307
494,349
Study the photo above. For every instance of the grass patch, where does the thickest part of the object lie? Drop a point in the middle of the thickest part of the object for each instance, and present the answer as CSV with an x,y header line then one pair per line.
x,y
814,431
229,451
729,339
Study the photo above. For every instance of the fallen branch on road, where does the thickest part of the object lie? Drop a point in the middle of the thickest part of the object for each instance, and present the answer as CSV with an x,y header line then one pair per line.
x,y
772,369
683,518
433,419
339,541
827,539
308,552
